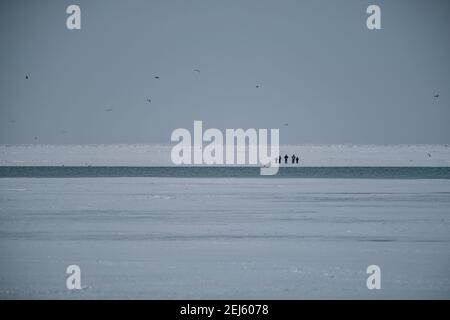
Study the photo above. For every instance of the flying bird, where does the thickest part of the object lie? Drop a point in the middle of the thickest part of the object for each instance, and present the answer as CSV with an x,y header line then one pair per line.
x,y
196,70
436,96
27,77
286,124
109,110
148,100
257,86
156,77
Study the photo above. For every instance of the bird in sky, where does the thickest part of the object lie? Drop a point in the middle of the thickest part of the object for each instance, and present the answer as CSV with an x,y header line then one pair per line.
x,y
257,86
436,96
27,77
108,109
197,70
148,100
156,77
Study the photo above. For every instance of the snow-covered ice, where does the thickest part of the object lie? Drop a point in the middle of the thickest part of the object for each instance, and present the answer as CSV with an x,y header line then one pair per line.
x,y
159,155
224,238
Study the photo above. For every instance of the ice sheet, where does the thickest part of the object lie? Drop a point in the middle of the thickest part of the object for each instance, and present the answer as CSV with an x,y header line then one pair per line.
x,y
224,238
159,155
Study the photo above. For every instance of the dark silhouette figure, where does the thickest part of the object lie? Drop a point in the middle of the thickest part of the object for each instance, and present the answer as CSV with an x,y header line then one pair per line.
x,y
279,159
286,158
27,77
436,95
293,158
296,160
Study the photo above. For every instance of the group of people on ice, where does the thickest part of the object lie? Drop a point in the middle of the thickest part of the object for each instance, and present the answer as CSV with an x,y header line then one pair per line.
x,y
295,159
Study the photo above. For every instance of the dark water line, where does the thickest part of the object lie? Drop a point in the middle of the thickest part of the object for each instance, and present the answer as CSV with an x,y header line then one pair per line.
x,y
226,172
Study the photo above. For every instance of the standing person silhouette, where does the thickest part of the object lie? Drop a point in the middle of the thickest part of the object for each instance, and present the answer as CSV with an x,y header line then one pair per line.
x,y
296,160
286,158
279,159
293,158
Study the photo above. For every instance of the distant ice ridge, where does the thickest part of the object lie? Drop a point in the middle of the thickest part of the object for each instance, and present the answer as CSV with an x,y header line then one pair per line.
x,y
159,155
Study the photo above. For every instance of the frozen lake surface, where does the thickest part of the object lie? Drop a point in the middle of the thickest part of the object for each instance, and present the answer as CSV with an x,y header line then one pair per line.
x,y
224,238
144,155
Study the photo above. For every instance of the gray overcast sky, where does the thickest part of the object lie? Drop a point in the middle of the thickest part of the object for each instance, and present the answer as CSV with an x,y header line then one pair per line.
x,y
318,67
